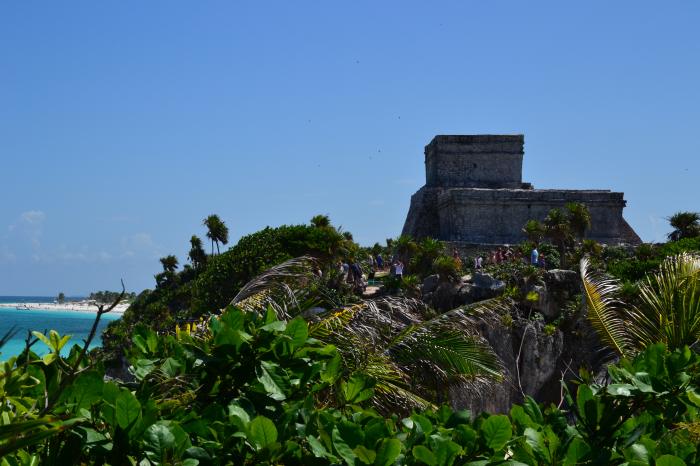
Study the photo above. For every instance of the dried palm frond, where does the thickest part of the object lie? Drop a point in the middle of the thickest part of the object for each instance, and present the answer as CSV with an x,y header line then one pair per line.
x,y
281,287
396,341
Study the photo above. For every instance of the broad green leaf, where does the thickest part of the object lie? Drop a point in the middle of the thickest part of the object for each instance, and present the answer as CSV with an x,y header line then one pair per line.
x,y
262,432
342,447
171,367
128,409
351,433
333,369
388,451
621,389
533,410
49,358
637,453
317,447
445,450
298,331
238,416
142,367
365,455
496,431
84,391
358,388
273,378
694,397
520,417
669,460
423,424
42,337
275,326
424,455
577,451
158,441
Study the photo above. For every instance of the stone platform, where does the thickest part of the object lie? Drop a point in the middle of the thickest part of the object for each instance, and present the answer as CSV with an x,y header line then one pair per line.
x,y
474,194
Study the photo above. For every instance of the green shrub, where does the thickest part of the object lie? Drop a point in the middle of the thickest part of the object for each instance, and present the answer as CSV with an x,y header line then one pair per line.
x,y
248,389
447,268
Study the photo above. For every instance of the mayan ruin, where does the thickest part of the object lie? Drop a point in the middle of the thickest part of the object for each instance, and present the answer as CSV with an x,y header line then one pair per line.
x,y
474,195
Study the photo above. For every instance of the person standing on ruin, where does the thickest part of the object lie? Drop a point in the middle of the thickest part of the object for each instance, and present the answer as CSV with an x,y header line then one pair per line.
x,y
457,259
398,269
542,262
534,256
380,262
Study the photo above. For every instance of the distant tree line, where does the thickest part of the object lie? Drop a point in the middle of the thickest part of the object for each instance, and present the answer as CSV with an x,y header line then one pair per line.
x,y
110,296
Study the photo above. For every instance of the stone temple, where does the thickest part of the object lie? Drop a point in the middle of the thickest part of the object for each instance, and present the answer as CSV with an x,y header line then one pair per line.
x,y
474,195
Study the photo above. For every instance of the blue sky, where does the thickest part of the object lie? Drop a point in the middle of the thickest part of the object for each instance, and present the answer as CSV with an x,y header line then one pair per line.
x,y
123,124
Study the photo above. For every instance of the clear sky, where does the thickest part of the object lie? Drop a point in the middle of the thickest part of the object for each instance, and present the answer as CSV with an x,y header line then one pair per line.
x,y
124,123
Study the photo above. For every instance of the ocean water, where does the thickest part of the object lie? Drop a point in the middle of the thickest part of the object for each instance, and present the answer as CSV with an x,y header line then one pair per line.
x,y
76,324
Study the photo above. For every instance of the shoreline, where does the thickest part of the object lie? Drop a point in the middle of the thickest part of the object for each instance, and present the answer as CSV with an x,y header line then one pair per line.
x,y
75,307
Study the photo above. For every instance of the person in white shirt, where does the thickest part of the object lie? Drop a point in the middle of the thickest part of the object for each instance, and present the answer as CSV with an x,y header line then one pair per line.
x,y
398,269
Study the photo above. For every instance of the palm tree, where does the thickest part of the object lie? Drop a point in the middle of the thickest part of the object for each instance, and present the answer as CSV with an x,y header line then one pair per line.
x,y
667,309
579,219
685,225
534,231
558,229
197,254
217,231
169,263
321,221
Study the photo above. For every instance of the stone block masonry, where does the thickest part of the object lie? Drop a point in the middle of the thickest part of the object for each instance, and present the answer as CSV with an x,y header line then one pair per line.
x,y
474,194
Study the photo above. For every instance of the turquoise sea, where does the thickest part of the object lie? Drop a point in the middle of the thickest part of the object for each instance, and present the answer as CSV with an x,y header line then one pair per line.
x,y
76,324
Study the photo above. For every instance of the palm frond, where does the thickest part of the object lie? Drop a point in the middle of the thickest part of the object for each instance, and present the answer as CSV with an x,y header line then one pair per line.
x,y
669,309
453,353
281,287
603,309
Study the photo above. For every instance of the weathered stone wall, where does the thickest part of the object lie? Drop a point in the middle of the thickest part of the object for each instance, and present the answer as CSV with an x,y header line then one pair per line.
x,y
484,161
497,216
474,194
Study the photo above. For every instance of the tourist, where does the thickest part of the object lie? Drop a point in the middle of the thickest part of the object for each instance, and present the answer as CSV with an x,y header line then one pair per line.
x,y
398,269
370,262
534,256
541,262
458,260
479,262
380,262
356,273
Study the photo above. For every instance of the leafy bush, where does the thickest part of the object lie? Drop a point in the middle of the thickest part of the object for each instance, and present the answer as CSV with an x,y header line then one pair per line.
x,y
447,268
194,294
248,389
632,267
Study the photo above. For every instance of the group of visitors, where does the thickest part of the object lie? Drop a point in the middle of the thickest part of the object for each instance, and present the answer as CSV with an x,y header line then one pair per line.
x,y
353,273
502,255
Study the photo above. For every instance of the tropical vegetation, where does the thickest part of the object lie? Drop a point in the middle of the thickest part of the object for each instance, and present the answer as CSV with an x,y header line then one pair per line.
x,y
261,355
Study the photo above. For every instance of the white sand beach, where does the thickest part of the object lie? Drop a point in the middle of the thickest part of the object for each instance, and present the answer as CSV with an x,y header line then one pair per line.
x,y
79,306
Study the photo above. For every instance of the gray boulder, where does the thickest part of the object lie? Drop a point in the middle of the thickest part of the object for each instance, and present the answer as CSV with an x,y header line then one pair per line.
x,y
484,286
430,283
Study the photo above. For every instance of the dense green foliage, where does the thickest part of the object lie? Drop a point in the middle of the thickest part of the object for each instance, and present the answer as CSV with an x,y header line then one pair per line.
x,y
633,265
195,291
249,389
